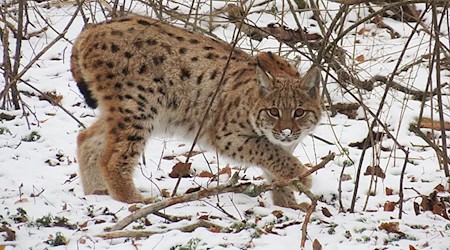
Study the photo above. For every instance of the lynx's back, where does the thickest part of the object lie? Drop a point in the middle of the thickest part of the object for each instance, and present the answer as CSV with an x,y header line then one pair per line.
x,y
148,77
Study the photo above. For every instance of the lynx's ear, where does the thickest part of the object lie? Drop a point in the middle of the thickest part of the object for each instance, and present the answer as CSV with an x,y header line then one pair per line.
x,y
265,80
311,81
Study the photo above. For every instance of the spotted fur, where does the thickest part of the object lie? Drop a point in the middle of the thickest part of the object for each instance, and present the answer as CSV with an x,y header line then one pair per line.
x,y
150,77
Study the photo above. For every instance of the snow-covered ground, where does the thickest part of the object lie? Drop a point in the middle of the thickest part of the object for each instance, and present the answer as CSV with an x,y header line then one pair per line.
x,y
42,201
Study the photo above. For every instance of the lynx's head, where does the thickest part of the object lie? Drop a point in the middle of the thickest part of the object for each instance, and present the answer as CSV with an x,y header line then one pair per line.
x,y
289,106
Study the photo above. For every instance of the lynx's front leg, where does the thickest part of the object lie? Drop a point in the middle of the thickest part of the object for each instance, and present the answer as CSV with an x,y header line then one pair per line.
x,y
274,160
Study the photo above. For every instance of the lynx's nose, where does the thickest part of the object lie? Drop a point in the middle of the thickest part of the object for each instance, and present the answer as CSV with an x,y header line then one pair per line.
x,y
286,132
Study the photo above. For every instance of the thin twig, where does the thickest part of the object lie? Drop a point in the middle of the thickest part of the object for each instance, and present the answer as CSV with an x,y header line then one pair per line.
x,y
400,194
376,120
437,52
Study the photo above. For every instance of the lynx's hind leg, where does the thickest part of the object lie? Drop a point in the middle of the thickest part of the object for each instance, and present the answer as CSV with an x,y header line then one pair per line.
x,y
89,148
125,141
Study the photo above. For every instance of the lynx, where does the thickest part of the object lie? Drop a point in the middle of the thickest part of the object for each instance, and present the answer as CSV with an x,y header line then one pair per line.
x,y
149,77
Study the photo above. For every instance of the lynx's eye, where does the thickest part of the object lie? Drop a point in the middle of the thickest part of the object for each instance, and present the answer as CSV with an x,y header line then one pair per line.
x,y
274,112
299,113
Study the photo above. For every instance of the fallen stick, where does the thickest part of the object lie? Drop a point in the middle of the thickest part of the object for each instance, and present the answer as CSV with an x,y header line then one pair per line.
x,y
138,234
245,188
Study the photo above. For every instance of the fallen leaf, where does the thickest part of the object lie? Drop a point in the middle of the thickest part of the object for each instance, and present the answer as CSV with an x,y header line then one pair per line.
x,y
192,153
192,190
389,206
346,177
226,170
180,169
416,208
437,208
436,125
23,200
348,234
83,225
360,58
317,245
204,217
389,191
277,213
214,230
391,227
326,212
51,97
440,188
377,171
348,109
261,203
169,157
99,221
362,31
10,234
411,247
147,223
6,117
133,208
165,193
206,174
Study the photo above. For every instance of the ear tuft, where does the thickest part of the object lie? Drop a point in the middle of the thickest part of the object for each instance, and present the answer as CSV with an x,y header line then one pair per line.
x,y
311,81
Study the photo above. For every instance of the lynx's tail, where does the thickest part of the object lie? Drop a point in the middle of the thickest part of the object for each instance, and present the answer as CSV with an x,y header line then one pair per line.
x,y
78,76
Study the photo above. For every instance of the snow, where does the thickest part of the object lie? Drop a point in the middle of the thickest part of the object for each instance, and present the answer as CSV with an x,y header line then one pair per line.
x,y
39,177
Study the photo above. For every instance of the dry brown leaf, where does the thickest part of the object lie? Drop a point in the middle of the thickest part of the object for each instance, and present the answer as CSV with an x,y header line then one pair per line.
x,y
84,224
226,170
206,174
436,125
326,212
437,208
362,31
10,234
192,190
391,227
317,245
203,217
261,203
193,153
6,117
51,97
2,247
23,200
360,58
277,213
411,247
416,208
389,191
133,208
180,169
440,188
165,193
377,171
169,157
389,206
214,229
346,177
